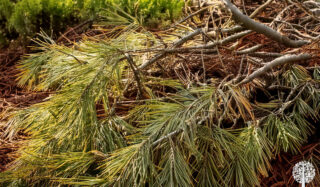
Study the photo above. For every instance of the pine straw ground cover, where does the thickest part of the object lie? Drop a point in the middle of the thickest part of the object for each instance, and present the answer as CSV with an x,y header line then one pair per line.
x,y
218,99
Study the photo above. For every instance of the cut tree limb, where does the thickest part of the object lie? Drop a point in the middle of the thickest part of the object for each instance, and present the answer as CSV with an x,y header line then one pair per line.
x,y
276,62
261,28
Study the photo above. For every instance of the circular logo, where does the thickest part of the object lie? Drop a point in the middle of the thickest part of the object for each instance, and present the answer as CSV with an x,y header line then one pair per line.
x,y
303,172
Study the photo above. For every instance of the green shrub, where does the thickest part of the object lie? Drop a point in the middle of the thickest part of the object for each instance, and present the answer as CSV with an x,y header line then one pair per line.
x,y
148,12
6,7
30,15
27,17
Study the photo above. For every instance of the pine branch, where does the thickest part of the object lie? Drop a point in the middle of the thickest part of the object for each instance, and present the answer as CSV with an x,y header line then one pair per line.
x,y
261,28
224,41
176,44
277,62
166,136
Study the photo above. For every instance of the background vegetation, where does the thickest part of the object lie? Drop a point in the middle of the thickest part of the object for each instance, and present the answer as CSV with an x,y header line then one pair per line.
x,y
25,18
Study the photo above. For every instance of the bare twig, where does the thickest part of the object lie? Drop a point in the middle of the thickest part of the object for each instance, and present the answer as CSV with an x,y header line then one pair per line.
x,y
189,16
249,50
277,62
176,44
166,136
305,9
224,41
234,29
259,9
240,69
265,54
135,72
289,103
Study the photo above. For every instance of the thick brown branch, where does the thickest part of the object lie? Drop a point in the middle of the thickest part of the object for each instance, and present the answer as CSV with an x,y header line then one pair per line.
x,y
261,28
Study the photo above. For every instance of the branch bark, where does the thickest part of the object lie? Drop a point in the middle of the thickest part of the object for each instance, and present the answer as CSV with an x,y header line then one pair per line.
x,y
224,41
276,62
261,28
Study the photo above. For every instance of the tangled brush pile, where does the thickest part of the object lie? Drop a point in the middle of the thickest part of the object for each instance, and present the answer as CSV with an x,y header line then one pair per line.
x,y
211,105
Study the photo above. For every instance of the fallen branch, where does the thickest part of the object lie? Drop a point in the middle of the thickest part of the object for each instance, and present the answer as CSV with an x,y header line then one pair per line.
x,y
277,62
189,16
261,28
249,50
265,54
224,41
188,37
176,44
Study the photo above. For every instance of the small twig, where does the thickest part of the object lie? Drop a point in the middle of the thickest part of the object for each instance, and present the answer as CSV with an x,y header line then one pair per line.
x,y
135,72
74,28
259,9
237,28
203,67
306,10
78,60
278,87
278,17
176,44
240,69
289,103
249,50
155,143
163,52
224,41
265,54
255,61
291,93
189,16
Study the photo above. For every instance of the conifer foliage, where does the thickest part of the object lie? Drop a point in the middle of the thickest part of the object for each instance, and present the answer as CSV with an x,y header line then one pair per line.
x,y
137,108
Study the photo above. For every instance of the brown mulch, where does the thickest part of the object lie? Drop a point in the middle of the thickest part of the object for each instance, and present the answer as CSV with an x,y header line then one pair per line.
x,y
12,97
282,165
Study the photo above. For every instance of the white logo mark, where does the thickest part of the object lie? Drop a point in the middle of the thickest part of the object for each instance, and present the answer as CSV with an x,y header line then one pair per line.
x,y
303,172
